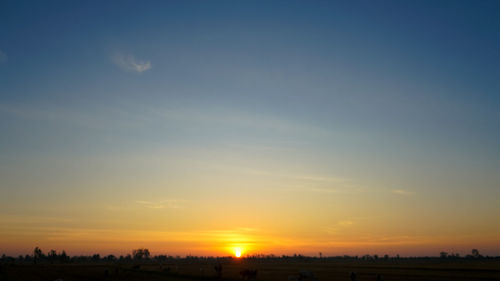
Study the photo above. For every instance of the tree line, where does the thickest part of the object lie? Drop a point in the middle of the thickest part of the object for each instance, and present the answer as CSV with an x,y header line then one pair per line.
x,y
144,255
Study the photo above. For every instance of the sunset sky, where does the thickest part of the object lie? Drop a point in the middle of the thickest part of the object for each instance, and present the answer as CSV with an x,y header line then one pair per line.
x,y
198,127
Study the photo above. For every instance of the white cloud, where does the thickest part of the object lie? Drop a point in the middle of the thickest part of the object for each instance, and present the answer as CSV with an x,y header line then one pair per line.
x,y
3,56
402,192
130,63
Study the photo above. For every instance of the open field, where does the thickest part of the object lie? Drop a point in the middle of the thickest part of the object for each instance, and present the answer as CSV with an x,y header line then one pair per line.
x,y
270,270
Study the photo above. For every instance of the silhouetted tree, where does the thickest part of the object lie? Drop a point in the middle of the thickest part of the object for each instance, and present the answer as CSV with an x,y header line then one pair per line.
x,y
475,253
161,258
96,257
139,254
366,257
52,255
63,257
37,254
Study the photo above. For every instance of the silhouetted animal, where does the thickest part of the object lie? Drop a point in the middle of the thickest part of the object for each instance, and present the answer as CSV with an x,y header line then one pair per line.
x,y
379,277
137,266
248,274
306,275
218,270
353,276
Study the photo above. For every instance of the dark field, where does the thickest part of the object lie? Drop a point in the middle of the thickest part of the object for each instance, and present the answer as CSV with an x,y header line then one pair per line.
x,y
278,270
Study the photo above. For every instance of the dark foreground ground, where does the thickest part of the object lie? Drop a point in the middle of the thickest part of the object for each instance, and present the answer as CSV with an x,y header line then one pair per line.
x,y
267,271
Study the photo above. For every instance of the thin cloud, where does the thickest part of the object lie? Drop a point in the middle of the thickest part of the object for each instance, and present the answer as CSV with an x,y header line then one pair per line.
x,y
345,223
130,63
3,56
335,229
402,192
323,190
136,116
163,204
307,182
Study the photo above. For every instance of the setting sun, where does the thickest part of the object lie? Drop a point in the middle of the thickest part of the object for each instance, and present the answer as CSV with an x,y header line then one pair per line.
x,y
237,252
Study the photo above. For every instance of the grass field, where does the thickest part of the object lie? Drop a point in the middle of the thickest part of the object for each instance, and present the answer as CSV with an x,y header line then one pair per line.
x,y
270,270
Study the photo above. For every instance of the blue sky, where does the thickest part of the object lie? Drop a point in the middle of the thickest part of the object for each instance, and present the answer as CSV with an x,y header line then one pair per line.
x,y
393,97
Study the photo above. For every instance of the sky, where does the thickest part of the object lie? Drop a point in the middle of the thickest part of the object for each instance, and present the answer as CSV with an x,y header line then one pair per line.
x,y
277,127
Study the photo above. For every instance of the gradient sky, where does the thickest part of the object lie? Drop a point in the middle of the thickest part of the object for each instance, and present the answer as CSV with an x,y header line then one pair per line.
x,y
193,127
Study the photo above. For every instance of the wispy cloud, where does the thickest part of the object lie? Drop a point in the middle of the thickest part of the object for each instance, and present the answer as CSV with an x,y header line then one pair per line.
x,y
295,181
128,62
162,204
135,115
402,192
339,226
284,176
3,56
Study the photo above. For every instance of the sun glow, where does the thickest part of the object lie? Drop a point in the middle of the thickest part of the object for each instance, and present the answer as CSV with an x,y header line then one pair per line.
x,y
237,252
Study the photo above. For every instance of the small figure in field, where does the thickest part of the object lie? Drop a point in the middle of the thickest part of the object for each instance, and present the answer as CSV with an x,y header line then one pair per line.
x,y
379,277
306,275
248,274
353,276
218,270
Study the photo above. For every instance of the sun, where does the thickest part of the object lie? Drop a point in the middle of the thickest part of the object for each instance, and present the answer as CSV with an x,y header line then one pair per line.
x,y
237,252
